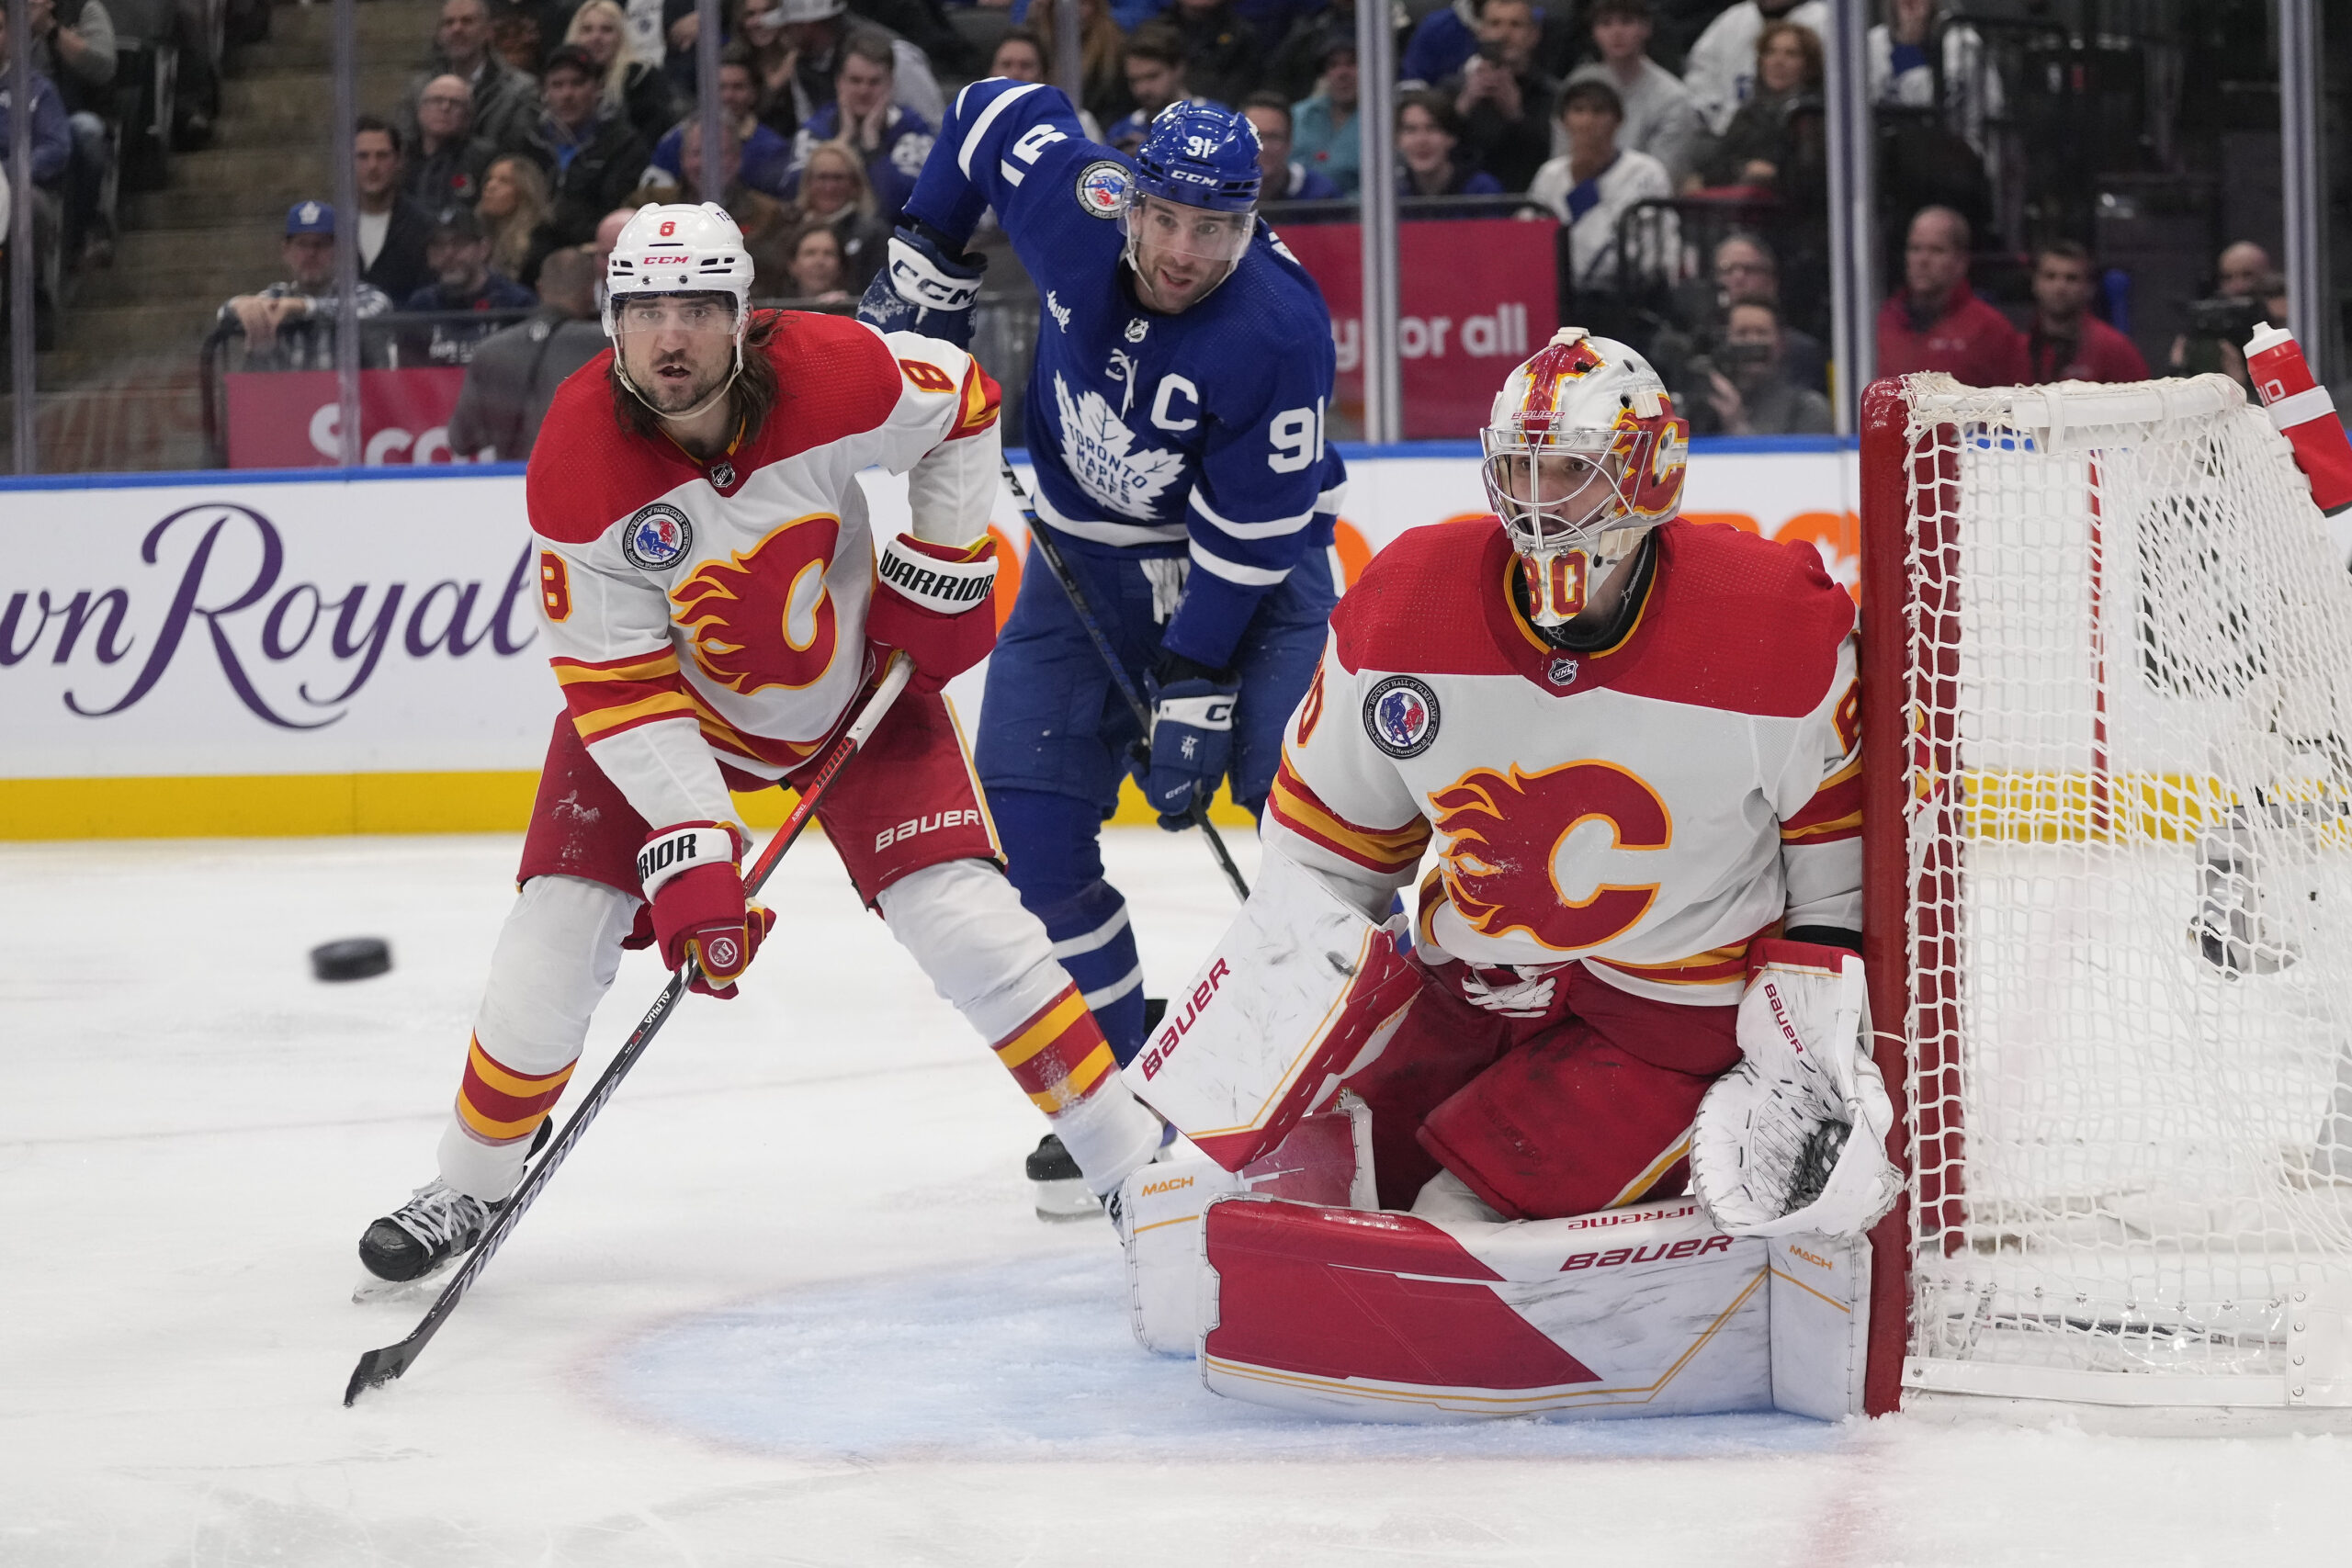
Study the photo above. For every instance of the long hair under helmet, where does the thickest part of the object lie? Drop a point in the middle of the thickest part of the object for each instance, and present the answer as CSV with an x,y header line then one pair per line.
x,y
1199,156
674,248
1583,456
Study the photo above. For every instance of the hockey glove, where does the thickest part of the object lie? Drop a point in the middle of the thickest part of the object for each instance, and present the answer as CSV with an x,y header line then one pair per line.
x,y
1191,737
924,288
694,882
938,604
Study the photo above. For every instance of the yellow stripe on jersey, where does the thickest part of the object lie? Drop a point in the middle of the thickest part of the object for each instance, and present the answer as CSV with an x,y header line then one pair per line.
x,y
661,704
659,667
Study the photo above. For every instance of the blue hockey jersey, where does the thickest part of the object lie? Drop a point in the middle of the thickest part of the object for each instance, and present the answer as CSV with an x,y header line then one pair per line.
x,y
1197,433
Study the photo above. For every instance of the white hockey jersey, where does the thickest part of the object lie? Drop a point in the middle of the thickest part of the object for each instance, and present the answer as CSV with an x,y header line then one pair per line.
x,y
1647,809
710,613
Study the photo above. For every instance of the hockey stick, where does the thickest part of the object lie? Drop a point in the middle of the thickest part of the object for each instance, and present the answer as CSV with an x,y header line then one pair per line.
x,y
1061,574
381,1366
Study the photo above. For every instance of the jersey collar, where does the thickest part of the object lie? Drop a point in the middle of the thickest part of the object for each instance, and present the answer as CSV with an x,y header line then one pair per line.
x,y
1561,672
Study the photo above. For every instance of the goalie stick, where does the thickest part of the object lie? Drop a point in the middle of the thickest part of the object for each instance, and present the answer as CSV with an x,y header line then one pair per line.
x,y
1094,633
381,1366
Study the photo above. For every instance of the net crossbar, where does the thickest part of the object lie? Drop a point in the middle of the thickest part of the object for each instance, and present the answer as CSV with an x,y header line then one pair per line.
x,y
2122,836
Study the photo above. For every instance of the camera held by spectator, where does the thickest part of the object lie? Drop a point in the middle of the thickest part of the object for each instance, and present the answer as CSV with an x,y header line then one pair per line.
x,y
1745,389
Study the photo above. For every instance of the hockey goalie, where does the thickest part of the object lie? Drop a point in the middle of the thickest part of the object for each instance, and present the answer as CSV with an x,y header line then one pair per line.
x,y
1621,1086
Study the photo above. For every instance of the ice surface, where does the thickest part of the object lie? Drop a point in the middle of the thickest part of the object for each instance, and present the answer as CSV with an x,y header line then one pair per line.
x,y
786,1304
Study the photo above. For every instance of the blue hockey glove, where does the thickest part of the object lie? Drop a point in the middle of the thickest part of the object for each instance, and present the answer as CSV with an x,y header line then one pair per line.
x,y
924,288
1192,740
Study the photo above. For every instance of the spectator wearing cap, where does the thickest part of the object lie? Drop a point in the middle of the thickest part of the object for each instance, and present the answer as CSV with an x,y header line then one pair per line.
x,y
1592,185
290,324
391,230
446,160
1282,177
592,157
1429,151
1661,116
764,157
890,139
1937,322
462,283
1325,133
504,102
514,373
2067,343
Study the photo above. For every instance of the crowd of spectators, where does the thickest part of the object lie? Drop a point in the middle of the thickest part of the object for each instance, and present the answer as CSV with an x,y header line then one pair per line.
x,y
1680,145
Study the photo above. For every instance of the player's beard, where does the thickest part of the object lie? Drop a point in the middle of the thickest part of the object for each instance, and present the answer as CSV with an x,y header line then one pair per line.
x,y
675,395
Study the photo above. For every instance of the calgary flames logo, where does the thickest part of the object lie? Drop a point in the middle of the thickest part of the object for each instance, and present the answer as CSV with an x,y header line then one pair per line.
x,y
764,620
1505,838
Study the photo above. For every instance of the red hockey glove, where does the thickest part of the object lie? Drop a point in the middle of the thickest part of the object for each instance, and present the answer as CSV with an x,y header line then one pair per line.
x,y
938,604
696,887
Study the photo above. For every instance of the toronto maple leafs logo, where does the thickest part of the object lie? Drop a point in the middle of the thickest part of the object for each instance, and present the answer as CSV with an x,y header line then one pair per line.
x,y
1101,456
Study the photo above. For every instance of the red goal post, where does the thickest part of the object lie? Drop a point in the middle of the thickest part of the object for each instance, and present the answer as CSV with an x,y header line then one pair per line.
x,y
2107,654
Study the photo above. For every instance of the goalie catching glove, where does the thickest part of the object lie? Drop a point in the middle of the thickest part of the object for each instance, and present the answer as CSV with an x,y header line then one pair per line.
x,y
694,880
1795,1137
938,604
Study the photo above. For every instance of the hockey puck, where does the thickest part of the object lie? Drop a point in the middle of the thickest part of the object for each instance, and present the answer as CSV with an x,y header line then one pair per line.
x,y
354,958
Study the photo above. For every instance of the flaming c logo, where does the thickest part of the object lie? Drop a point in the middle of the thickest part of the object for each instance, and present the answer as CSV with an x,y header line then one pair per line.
x,y
1505,835
764,620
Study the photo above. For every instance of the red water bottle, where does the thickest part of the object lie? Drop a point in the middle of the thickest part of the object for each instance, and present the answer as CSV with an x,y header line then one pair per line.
x,y
2301,410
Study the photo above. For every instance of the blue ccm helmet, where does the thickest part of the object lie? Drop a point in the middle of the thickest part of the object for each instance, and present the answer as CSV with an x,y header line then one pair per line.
x,y
1201,157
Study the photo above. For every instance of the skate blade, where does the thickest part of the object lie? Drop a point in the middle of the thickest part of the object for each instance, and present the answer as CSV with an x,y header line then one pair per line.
x,y
370,1290
1059,1202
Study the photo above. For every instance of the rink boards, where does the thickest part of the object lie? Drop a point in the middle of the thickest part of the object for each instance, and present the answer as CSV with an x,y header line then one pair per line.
x,y
191,655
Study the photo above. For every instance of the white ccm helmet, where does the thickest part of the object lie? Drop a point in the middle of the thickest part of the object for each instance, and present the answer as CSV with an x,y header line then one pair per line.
x,y
678,249
1582,456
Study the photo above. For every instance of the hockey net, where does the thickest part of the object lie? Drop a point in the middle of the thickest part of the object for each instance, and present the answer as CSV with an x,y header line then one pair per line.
x,y
2109,702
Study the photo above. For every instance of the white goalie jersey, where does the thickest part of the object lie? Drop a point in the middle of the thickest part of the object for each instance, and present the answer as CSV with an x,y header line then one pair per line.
x,y
1647,809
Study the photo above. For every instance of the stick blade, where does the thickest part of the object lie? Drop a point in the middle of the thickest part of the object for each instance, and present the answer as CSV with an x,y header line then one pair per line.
x,y
378,1368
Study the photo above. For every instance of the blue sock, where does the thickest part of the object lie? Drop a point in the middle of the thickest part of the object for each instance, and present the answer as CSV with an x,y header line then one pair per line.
x,y
1053,854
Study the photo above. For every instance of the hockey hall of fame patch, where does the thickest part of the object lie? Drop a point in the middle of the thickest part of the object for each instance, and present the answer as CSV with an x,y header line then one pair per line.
x,y
1400,715
657,537
1103,188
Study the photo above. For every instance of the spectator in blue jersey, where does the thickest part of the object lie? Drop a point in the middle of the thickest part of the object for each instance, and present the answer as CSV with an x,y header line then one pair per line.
x,y
1429,151
459,254
1156,76
1286,179
1176,401
766,159
1325,129
889,138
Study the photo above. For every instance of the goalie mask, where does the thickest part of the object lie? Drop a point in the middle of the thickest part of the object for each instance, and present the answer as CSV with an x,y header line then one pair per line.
x,y
677,269
1583,456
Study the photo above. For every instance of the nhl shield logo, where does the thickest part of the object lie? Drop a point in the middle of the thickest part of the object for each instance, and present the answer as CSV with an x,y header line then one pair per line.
x,y
1401,716
657,537
1103,188
722,474
1562,671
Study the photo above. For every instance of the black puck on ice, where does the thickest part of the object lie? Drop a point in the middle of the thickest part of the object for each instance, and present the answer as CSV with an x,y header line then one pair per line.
x,y
354,958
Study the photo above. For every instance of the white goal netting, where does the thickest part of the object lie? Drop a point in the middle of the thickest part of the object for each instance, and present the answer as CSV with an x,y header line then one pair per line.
x,y
2127,683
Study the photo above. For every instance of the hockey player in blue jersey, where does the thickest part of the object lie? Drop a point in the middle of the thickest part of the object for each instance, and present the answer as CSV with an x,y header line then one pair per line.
x,y
1175,419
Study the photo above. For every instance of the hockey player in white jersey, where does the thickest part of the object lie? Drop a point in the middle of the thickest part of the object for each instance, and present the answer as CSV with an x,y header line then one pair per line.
x,y
712,598
1633,741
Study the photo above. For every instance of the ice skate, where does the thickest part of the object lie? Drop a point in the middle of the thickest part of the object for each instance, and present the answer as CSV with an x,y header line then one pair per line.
x,y
408,1249
1056,1183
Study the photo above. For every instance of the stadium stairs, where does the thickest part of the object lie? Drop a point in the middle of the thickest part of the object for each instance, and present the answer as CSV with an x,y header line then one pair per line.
x,y
121,390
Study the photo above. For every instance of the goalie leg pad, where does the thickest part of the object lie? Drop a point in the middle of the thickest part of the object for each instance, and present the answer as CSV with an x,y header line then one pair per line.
x,y
1590,1113
1645,1311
